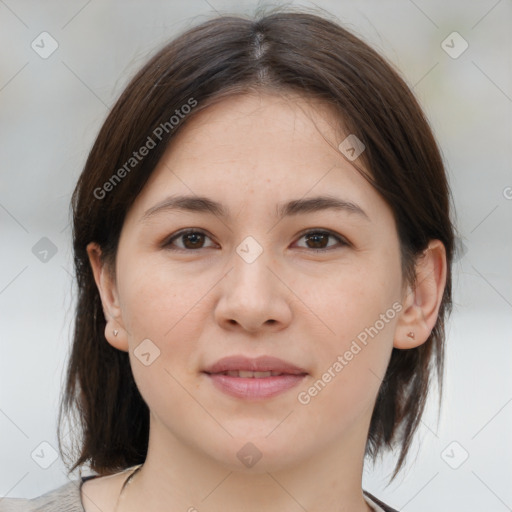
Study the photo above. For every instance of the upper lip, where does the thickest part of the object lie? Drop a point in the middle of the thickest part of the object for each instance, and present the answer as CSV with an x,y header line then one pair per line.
x,y
259,364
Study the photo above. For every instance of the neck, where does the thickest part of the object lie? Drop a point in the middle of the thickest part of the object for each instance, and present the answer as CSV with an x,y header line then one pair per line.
x,y
176,476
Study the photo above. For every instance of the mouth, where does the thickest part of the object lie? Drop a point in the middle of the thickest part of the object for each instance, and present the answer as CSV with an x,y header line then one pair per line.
x,y
254,379
246,374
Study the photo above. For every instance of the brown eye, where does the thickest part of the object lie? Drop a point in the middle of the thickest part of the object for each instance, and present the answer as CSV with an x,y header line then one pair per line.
x,y
191,239
318,240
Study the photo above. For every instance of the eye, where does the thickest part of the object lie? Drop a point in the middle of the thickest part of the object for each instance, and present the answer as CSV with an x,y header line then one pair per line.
x,y
192,239
318,239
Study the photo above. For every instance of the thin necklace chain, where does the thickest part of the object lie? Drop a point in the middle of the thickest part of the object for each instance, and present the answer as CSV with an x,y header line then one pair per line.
x,y
126,482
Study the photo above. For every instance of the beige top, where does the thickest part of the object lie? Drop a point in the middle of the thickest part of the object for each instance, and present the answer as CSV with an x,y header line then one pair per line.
x,y
67,498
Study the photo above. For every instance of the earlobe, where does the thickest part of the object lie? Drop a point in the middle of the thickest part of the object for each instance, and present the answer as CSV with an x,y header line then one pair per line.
x,y
115,333
421,304
117,337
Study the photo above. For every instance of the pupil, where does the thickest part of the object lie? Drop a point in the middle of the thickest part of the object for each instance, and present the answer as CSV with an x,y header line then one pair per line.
x,y
315,238
191,236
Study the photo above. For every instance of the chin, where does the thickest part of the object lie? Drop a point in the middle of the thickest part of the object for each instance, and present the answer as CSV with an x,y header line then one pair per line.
x,y
259,454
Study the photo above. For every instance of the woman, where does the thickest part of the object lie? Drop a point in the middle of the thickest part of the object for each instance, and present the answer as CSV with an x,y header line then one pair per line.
x,y
263,250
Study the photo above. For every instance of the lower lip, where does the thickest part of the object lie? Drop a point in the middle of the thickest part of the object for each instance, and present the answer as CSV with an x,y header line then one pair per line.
x,y
254,388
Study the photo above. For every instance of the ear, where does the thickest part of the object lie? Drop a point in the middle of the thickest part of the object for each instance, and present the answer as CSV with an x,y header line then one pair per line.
x,y
421,304
106,284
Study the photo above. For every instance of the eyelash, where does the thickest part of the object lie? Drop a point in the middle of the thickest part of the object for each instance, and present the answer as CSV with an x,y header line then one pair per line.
x,y
167,244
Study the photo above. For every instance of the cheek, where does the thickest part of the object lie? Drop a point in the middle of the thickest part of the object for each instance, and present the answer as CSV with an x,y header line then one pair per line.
x,y
165,308
359,309
158,301
355,298
169,310
350,369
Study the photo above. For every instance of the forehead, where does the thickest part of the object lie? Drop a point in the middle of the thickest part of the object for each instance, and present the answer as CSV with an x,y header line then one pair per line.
x,y
251,124
251,149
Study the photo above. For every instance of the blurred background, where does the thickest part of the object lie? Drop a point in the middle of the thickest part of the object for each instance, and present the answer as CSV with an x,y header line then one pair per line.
x,y
63,64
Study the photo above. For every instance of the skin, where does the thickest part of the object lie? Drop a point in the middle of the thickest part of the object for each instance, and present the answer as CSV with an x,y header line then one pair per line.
x,y
251,152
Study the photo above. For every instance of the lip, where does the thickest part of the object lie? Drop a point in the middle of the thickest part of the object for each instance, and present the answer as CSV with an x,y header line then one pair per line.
x,y
254,388
258,364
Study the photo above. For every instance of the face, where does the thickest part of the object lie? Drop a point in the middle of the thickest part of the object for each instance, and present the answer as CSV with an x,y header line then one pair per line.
x,y
318,287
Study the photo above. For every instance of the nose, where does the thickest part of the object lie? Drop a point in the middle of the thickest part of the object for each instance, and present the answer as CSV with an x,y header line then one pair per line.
x,y
253,296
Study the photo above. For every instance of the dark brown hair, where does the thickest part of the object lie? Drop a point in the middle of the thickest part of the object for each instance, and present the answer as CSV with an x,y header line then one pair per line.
x,y
283,51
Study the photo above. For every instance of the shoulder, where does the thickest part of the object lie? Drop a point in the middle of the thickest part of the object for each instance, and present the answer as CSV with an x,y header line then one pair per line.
x,y
63,499
67,498
79,495
380,506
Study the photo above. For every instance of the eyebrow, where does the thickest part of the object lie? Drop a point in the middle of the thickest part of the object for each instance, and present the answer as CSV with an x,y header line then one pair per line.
x,y
202,204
